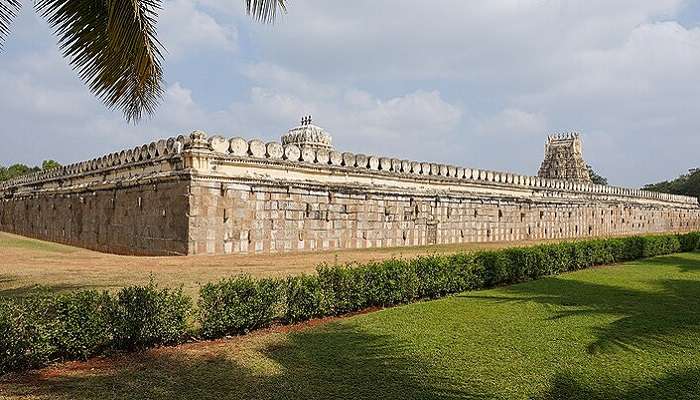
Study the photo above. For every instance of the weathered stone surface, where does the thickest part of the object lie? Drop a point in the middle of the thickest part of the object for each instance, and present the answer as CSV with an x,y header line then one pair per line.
x,y
563,159
274,151
292,152
373,163
257,148
336,158
308,135
238,146
361,161
219,144
197,195
323,156
385,164
308,154
348,159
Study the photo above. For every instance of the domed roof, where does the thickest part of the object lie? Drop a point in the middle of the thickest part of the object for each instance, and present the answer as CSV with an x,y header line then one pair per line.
x,y
308,135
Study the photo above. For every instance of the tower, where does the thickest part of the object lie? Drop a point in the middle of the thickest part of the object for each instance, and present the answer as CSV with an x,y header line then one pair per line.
x,y
563,159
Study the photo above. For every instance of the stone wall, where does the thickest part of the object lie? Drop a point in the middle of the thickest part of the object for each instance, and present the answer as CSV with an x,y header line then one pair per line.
x,y
140,219
256,217
199,195
136,205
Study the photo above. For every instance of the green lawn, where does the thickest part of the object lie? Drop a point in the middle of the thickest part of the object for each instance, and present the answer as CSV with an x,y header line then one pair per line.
x,y
623,332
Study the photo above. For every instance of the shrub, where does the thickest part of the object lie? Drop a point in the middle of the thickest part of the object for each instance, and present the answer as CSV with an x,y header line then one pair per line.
x,y
689,241
634,248
343,287
390,282
525,263
25,341
581,255
305,298
466,273
660,245
495,266
435,276
557,258
146,316
238,305
80,329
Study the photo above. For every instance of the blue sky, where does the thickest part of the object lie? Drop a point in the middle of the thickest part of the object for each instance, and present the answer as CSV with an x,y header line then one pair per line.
x,y
472,83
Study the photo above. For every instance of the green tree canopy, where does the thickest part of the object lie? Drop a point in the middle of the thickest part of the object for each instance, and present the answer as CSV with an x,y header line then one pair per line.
x,y
686,184
50,164
16,170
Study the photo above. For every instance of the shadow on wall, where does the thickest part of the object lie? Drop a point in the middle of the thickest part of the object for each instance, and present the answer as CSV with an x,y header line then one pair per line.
x,y
663,318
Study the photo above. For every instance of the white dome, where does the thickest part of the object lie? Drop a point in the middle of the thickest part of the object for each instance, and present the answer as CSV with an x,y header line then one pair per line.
x,y
308,135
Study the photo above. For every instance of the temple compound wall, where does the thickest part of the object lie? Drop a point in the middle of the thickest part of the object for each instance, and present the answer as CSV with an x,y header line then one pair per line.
x,y
199,195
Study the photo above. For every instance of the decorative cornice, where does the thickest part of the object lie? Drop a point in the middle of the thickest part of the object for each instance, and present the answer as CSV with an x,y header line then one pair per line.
x,y
323,159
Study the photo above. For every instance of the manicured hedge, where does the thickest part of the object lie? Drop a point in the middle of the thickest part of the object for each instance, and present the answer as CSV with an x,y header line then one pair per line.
x,y
237,305
44,328
342,289
139,317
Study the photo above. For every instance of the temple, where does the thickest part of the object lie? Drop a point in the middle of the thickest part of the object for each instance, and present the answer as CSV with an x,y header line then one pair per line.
x,y
563,159
196,194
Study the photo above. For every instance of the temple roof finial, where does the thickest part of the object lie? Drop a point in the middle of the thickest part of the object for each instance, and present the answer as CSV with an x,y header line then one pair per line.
x,y
306,120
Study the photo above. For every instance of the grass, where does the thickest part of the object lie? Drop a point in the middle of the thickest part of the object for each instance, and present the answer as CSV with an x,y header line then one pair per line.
x,y
8,241
29,265
623,332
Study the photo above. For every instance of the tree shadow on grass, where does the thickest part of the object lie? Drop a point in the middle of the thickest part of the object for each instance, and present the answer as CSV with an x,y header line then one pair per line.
x,y
663,318
331,362
680,385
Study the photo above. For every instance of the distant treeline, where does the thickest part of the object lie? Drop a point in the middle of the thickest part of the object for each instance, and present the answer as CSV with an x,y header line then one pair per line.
x,y
20,169
686,184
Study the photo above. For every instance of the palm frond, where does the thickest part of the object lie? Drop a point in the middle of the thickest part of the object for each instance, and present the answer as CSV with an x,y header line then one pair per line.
x,y
265,10
8,12
112,45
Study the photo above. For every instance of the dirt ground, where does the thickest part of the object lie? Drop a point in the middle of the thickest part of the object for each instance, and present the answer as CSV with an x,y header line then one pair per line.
x,y
26,263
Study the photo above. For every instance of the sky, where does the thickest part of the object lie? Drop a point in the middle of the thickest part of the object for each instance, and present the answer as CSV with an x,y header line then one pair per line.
x,y
475,83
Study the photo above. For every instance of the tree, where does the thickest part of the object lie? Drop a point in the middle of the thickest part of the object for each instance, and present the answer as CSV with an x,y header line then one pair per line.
x,y
16,170
686,184
112,44
597,179
50,164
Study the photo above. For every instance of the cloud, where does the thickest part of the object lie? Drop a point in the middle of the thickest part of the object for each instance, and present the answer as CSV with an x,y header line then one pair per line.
x,y
636,102
512,122
476,83
449,39
186,30
359,120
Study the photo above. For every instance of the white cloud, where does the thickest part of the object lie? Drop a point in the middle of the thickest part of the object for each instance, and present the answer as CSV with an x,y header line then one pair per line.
x,y
358,120
477,83
185,29
512,122
449,39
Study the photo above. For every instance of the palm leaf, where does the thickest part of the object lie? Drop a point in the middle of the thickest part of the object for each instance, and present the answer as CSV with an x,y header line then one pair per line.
x,y
8,12
265,10
112,45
